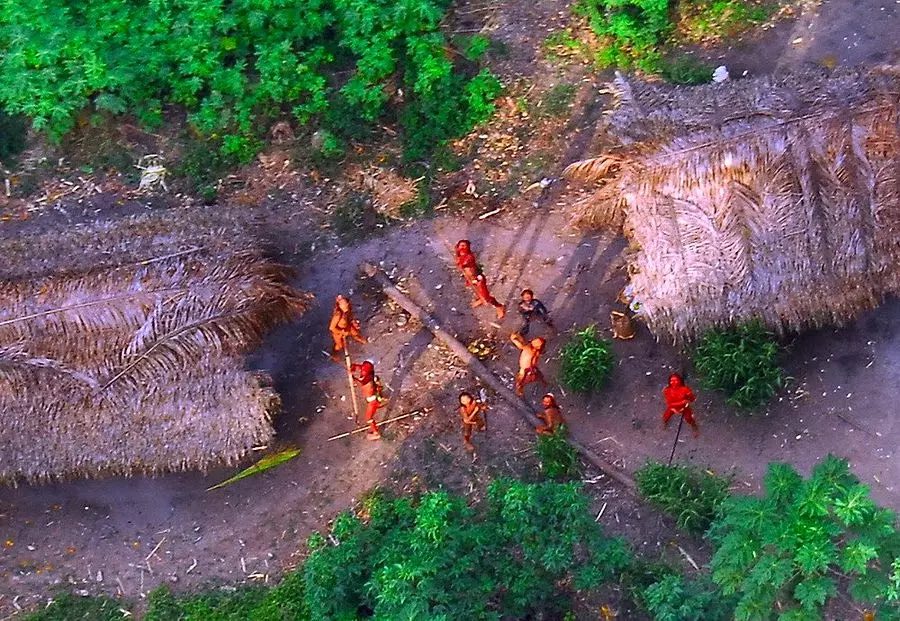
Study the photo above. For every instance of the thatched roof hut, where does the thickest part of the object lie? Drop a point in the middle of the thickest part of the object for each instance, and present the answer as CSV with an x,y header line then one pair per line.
x,y
776,198
121,347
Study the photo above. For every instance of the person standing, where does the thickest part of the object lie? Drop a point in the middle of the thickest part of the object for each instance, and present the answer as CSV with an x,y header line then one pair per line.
x,y
529,357
343,325
364,376
471,411
531,308
468,264
678,401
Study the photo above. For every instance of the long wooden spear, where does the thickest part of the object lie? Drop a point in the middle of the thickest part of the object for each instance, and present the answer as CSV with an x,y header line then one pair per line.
x,y
348,364
478,368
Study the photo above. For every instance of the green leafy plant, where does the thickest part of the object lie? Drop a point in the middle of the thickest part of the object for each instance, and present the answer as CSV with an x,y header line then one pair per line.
x,y
686,70
234,67
717,19
556,101
68,607
742,362
689,494
559,459
633,30
674,598
587,361
439,558
803,542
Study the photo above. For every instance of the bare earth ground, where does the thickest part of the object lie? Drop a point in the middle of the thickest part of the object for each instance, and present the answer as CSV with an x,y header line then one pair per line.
x,y
125,537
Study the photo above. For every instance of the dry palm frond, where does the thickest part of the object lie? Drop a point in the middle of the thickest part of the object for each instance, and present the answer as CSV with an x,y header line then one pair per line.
x,y
595,169
776,198
133,365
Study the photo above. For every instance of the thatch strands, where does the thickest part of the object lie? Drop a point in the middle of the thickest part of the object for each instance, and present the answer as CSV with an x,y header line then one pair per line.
x,y
776,198
121,343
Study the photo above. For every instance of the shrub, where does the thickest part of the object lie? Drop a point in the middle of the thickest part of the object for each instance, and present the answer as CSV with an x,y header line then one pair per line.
x,y
686,70
556,101
68,607
717,19
689,494
439,558
742,362
794,548
587,361
634,30
236,66
559,459
673,598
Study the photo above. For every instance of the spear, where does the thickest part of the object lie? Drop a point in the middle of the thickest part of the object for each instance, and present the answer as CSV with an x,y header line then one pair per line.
x,y
350,379
674,444
382,424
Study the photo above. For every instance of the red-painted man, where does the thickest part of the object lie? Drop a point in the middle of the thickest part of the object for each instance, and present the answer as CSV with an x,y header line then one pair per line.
x,y
528,361
343,325
551,416
678,401
364,375
468,264
471,411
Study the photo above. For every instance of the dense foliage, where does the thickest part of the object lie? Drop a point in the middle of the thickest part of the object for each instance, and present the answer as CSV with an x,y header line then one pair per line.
x,y
635,30
234,66
674,598
689,494
587,361
441,559
520,551
558,458
742,362
793,549
68,607
635,33
282,602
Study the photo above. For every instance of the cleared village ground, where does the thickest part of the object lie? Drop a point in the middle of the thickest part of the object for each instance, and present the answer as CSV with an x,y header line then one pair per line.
x,y
123,537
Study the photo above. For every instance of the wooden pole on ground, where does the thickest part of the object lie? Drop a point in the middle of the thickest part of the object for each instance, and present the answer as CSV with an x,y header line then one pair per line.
x,y
484,374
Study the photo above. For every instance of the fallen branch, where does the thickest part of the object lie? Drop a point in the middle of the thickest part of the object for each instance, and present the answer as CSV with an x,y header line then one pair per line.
x,y
380,424
153,551
484,374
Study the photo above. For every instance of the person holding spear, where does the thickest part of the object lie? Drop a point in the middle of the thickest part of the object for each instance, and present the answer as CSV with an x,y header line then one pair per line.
x,y
364,375
678,401
342,326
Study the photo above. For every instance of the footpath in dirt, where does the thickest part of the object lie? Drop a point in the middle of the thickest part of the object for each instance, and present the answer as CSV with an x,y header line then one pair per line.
x,y
126,536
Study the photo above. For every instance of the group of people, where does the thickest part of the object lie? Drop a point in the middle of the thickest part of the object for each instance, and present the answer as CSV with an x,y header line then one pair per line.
x,y
344,326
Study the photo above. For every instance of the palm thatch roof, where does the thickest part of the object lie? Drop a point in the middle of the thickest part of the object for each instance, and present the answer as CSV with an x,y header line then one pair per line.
x,y
121,347
776,198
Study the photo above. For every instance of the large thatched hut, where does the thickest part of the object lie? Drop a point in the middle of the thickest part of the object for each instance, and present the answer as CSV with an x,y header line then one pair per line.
x,y
121,347
776,198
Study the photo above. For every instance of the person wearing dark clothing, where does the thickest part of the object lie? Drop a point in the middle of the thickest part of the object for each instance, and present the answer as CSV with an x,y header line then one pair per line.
x,y
531,308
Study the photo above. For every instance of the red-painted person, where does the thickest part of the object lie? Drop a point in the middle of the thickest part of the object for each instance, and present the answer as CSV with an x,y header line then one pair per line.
x,y
468,264
364,375
678,401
